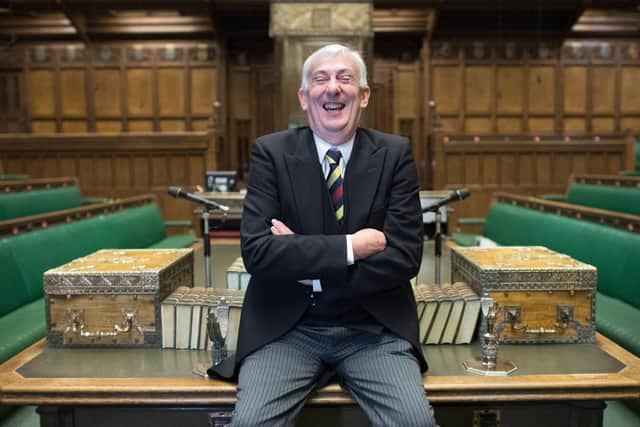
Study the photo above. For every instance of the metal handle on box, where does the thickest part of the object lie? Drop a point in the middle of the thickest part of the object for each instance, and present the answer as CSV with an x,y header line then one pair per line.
x,y
76,325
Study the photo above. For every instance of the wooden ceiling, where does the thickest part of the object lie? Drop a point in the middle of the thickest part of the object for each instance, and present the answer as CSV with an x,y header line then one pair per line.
x,y
91,21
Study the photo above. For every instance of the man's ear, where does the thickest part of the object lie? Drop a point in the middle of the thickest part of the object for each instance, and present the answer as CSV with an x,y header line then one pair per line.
x,y
302,97
364,96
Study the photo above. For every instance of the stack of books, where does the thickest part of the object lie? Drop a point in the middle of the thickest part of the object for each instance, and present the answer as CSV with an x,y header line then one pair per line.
x,y
237,275
184,316
448,313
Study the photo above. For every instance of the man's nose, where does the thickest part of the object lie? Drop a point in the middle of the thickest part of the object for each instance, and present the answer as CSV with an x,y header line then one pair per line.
x,y
334,86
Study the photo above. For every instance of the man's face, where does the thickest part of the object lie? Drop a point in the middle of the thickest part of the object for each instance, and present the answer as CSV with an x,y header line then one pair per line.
x,y
334,98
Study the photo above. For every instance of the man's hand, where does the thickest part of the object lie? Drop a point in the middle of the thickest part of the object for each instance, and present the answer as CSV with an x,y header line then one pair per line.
x,y
367,242
279,228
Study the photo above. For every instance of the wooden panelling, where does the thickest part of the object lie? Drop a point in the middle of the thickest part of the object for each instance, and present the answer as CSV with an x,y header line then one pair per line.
x,y
509,126
575,126
107,93
603,89
541,90
140,125
541,126
520,165
630,82
510,87
406,92
478,126
43,126
74,126
489,169
72,87
508,169
603,125
203,89
171,92
472,168
172,125
526,169
447,88
381,99
575,89
199,125
478,89
139,86
632,123
104,126
450,125
240,87
115,165
41,94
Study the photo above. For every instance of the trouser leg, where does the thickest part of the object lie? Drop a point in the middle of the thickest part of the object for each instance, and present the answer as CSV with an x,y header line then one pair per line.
x,y
274,383
383,376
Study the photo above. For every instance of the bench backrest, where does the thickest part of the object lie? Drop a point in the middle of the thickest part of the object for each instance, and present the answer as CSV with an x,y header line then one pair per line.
x,y
617,199
614,252
25,257
26,203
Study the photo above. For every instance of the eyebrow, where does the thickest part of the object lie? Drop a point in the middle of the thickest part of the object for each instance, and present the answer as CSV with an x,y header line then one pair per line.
x,y
340,72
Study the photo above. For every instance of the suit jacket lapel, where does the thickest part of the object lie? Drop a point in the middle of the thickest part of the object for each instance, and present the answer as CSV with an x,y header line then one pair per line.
x,y
305,175
361,179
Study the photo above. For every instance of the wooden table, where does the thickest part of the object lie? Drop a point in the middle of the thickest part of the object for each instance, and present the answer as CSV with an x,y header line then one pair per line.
x,y
78,387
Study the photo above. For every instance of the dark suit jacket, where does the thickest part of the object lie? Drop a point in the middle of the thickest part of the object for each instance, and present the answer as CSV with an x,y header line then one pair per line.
x,y
286,182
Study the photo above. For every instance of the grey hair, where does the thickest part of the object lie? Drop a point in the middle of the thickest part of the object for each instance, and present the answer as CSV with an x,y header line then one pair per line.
x,y
333,50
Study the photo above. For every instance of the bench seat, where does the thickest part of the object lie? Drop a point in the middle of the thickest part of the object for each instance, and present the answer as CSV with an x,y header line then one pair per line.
x,y
25,257
21,328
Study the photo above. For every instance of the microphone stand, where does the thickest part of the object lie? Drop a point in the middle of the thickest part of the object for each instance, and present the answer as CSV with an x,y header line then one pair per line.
x,y
208,282
207,248
437,242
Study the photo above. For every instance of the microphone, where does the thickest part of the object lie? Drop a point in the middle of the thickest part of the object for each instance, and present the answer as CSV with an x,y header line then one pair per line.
x,y
179,193
459,194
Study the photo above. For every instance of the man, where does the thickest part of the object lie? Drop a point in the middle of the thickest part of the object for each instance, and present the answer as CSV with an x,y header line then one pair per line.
x,y
331,234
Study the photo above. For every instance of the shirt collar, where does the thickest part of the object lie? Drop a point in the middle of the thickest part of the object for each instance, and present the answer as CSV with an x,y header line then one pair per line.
x,y
345,149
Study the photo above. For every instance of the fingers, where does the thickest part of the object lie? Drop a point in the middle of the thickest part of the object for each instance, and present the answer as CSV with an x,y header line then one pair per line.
x,y
279,228
367,242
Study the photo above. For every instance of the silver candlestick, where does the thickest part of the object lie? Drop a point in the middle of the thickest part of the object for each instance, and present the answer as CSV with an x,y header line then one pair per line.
x,y
488,363
217,329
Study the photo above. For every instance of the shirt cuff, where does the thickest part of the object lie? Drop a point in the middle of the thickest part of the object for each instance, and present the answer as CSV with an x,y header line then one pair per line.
x,y
317,287
350,260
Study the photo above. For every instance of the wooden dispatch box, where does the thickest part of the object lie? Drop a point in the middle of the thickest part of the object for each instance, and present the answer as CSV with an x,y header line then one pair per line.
x,y
543,296
112,297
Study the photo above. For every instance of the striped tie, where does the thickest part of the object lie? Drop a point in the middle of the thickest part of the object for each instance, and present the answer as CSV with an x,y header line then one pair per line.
x,y
334,182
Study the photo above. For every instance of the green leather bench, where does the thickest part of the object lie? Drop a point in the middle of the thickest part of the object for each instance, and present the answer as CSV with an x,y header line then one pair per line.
x,y
608,197
26,203
26,256
613,251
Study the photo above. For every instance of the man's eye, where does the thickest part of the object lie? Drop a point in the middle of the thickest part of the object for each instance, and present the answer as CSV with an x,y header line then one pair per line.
x,y
346,79
319,79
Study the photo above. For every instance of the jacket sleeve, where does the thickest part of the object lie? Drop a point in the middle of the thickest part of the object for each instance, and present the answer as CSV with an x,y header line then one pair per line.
x,y
403,229
291,257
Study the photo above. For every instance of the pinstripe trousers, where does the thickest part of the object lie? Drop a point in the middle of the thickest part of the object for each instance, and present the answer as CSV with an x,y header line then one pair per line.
x,y
378,370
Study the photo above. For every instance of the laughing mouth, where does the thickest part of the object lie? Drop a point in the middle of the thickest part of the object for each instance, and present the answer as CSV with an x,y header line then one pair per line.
x,y
333,106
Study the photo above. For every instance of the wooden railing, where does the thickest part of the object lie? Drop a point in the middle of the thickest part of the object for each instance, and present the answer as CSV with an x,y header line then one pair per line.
x,y
626,222
117,165
26,224
599,179
526,166
15,186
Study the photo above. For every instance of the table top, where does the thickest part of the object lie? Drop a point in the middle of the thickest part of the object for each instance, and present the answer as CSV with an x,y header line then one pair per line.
x,y
42,375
